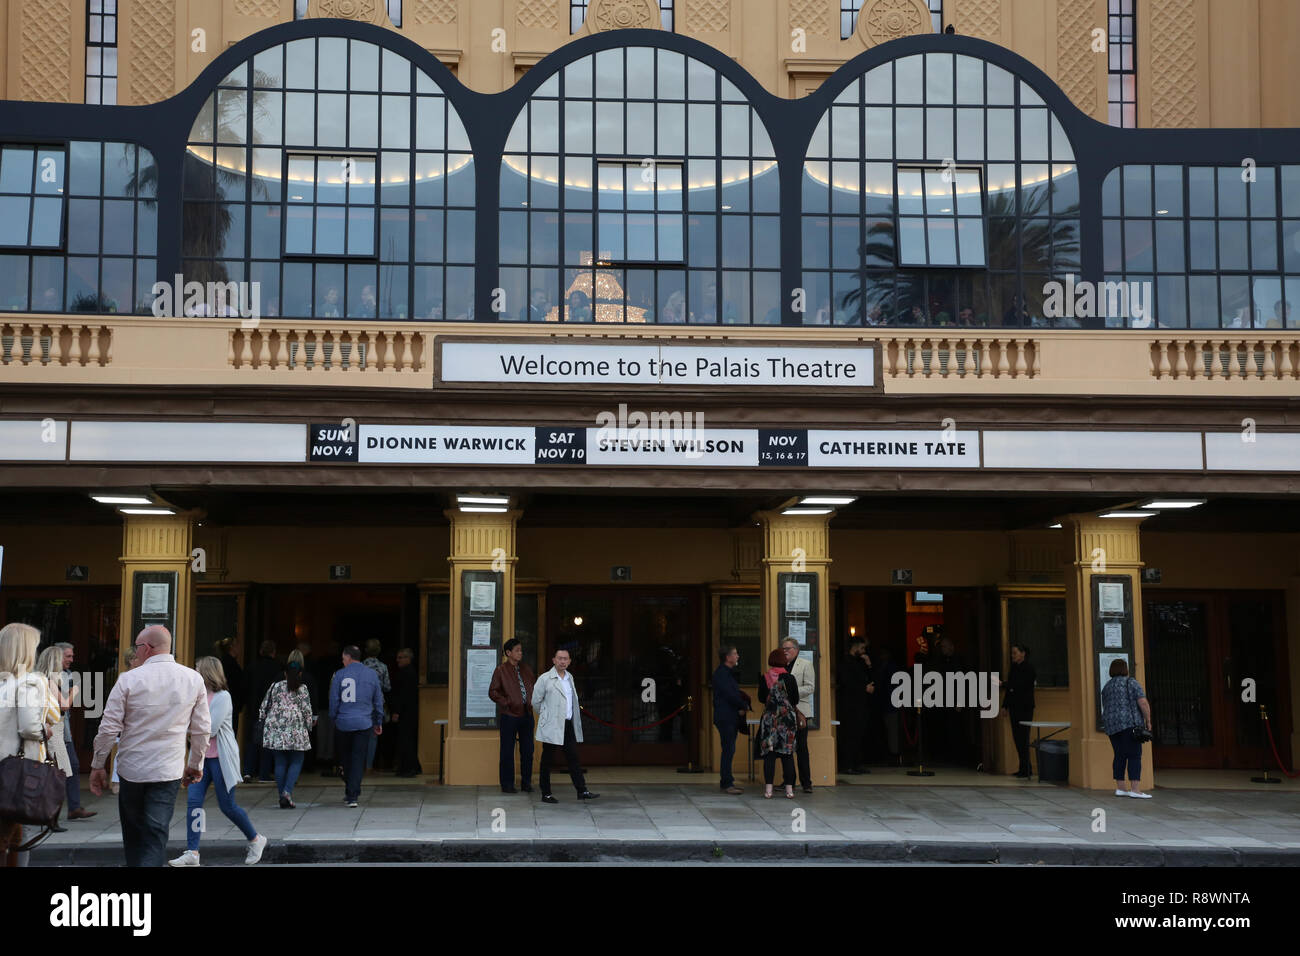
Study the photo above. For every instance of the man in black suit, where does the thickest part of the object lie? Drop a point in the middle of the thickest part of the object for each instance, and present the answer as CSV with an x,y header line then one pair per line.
x,y
1019,703
729,706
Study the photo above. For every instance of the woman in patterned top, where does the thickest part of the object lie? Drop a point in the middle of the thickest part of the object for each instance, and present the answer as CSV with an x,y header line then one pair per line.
x,y
776,730
286,727
1124,713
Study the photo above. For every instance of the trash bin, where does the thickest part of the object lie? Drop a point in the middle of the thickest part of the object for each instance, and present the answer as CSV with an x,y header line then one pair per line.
x,y
1054,760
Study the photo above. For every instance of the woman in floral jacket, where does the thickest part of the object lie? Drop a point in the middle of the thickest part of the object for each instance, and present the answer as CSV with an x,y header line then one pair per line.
x,y
286,727
776,730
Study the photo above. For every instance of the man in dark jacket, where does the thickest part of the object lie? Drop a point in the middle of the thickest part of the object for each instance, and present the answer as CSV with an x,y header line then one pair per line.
x,y
855,678
406,714
266,671
512,690
729,706
1019,703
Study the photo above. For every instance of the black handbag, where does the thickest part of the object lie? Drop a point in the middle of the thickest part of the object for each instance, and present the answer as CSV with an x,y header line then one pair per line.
x,y
1142,735
31,792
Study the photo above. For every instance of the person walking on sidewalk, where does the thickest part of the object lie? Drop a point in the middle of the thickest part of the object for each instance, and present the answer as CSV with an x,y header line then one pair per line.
x,y
154,708
729,707
24,698
75,810
220,767
50,665
357,710
286,720
777,727
512,690
559,725
802,672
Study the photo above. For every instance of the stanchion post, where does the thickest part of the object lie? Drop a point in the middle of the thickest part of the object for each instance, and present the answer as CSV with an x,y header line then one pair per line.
x,y
920,770
1264,748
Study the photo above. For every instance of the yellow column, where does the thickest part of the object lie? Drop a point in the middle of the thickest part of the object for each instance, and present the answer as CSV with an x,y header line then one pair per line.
x,y
800,543
159,543
1105,547
479,542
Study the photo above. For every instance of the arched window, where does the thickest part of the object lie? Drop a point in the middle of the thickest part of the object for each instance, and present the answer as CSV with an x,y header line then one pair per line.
x,y
922,206
337,176
638,185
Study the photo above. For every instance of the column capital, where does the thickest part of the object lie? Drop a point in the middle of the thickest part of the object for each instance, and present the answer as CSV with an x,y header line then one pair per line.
x,y
802,538
1114,542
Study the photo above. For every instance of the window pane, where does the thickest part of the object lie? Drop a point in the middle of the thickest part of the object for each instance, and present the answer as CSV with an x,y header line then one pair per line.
x,y
14,213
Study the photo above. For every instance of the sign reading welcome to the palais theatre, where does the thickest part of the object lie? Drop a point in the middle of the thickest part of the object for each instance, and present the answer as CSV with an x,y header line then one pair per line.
x,y
624,362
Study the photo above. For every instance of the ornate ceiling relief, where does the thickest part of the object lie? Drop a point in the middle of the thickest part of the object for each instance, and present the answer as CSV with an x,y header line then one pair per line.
x,y
883,20
538,14
46,61
153,51
811,16
623,15
978,18
1076,62
1174,94
708,16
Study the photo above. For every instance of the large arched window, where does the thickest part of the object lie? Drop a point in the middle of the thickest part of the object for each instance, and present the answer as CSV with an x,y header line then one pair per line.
x,y
337,176
938,190
638,185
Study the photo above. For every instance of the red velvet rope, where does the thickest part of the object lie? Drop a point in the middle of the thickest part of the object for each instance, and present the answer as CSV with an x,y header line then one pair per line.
x,y
1273,744
642,727
902,716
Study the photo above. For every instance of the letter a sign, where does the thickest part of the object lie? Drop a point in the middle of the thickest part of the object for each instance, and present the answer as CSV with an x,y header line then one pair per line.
x,y
349,690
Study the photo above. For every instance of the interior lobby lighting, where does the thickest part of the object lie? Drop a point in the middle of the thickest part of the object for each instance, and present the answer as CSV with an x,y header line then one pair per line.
x,y
147,511
1056,526
826,500
807,511
1128,514
122,499
1166,504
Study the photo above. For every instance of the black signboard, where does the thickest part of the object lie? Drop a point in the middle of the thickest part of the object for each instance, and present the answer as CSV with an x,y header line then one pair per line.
x,y
334,442
76,572
560,446
481,610
154,601
783,447
1112,627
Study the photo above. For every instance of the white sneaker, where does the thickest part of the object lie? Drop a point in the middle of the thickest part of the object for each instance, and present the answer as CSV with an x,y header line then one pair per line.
x,y
1140,796
255,849
188,858
1121,793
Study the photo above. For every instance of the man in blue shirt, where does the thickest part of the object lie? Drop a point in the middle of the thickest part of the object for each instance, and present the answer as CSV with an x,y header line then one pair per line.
x,y
357,711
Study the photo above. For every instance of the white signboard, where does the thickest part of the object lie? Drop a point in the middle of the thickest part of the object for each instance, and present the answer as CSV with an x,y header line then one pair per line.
x,y
188,441
445,444
1093,451
35,440
651,363
1252,451
893,449
669,446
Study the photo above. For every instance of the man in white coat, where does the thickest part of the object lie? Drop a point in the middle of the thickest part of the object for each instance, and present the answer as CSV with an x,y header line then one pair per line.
x,y
559,724
806,678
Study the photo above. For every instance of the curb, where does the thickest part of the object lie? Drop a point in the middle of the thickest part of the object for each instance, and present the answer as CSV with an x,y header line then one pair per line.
x,y
326,852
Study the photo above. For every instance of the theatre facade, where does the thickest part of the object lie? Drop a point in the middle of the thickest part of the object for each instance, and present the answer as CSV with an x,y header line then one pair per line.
x,y
640,355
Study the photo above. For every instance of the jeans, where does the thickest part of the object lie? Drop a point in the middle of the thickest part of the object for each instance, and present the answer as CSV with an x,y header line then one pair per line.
x,y
726,731
787,768
194,797
371,746
288,764
1128,752
353,748
513,728
146,812
570,747
73,783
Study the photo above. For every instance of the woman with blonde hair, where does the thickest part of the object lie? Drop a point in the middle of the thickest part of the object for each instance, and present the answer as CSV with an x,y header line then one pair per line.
x,y
220,766
23,700
50,666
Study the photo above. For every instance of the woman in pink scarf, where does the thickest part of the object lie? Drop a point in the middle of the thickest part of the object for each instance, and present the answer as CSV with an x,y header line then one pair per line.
x,y
776,729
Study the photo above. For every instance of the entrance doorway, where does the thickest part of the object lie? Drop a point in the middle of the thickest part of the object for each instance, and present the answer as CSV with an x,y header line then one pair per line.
x,y
1200,647
635,660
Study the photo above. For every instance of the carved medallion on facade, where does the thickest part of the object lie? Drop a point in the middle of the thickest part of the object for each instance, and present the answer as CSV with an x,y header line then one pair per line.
x,y
624,15
883,20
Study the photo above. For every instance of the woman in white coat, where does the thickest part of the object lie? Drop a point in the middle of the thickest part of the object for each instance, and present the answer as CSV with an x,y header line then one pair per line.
x,y
559,725
220,767
24,697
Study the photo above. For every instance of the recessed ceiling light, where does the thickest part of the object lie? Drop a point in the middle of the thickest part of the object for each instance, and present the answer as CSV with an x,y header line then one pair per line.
x,y
483,509
1165,504
826,500
147,511
807,511
122,499
482,500
1057,525
1128,514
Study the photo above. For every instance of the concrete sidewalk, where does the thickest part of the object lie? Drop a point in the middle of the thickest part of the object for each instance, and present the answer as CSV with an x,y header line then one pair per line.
x,y
662,822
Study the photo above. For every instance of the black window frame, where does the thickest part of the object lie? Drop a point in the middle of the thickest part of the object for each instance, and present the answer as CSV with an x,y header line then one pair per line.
x,y
99,79
288,155
1121,14
62,195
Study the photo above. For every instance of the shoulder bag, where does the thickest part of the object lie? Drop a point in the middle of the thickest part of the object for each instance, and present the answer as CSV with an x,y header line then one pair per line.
x,y
31,792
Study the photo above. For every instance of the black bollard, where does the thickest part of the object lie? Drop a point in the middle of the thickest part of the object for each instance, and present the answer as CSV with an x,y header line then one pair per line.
x,y
920,770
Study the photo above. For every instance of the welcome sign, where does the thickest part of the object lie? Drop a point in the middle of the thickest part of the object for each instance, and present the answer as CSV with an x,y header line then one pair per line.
x,y
622,362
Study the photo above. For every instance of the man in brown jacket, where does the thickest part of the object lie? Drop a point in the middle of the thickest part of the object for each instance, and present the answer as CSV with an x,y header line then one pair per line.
x,y
512,690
